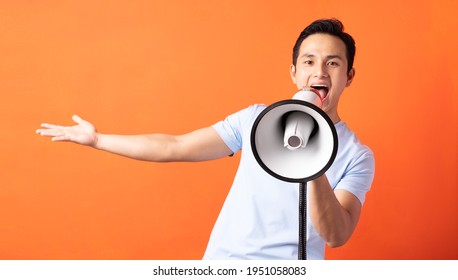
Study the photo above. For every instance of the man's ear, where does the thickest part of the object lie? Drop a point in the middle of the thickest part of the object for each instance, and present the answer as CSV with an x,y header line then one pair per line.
x,y
350,76
292,72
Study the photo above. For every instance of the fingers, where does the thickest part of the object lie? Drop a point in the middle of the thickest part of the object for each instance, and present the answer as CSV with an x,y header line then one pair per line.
x,y
54,130
56,134
61,138
49,129
50,132
48,125
75,118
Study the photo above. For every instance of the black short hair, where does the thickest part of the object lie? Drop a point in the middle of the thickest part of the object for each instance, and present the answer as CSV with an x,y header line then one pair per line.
x,y
332,27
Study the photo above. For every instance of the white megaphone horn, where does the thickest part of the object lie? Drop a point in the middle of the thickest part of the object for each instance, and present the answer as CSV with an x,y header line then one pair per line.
x,y
294,140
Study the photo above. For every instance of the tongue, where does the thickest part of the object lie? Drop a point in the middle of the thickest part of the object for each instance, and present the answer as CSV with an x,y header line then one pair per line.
x,y
323,92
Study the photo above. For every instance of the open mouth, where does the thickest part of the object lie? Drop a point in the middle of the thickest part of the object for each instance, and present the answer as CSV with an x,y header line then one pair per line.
x,y
322,90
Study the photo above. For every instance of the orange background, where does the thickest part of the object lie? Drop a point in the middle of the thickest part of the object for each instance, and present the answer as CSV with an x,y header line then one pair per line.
x,y
174,66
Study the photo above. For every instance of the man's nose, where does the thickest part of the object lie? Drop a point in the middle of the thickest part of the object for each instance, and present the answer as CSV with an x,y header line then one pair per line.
x,y
320,70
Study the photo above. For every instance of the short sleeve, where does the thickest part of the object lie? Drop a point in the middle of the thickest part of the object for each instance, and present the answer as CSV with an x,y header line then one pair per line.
x,y
233,128
359,176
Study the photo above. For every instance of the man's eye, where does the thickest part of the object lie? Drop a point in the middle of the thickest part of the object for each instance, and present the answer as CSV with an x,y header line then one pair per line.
x,y
308,62
333,63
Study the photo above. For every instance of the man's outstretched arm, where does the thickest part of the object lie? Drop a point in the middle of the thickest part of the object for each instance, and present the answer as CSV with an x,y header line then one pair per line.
x,y
199,145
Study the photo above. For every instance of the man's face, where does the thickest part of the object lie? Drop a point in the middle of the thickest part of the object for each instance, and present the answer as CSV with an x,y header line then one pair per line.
x,y
322,64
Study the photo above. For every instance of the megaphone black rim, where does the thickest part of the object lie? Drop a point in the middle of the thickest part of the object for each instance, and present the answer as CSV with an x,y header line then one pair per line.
x,y
303,103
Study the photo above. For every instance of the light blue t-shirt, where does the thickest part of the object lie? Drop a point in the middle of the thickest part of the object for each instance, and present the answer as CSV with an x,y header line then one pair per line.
x,y
260,217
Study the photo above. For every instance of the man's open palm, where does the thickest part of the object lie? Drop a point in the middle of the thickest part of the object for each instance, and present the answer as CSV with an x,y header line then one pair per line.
x,y
83,133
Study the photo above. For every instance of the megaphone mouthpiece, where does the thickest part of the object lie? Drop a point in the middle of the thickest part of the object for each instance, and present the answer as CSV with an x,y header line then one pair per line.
x,y
309,95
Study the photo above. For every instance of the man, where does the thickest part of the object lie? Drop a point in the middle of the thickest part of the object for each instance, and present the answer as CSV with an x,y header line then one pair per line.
x,y
259,219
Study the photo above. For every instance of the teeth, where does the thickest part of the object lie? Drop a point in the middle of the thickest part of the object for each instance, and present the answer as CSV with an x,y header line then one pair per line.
x,y
319,86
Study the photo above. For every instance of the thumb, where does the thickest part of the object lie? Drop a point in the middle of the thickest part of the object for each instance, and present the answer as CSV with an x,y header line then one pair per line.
x,y
78,120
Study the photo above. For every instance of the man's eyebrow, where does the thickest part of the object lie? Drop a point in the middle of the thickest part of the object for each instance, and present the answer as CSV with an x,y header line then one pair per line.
x,y
334,56
331,56
307,55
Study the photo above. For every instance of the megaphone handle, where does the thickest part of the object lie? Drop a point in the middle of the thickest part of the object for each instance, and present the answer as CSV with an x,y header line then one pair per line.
x,y
302,251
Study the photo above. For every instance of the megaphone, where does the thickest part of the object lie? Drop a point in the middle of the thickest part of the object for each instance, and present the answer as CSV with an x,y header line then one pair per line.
x,y
295,141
